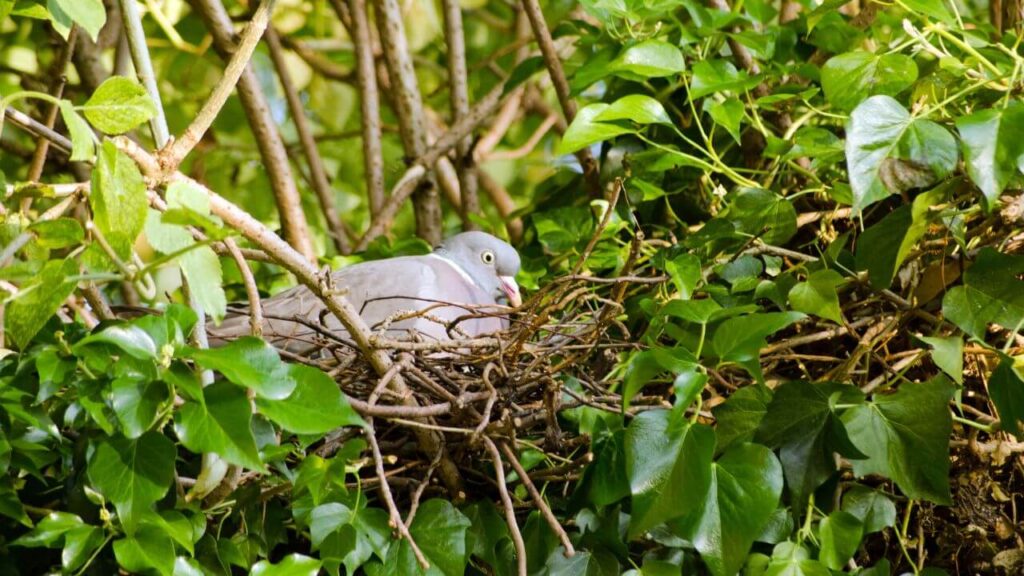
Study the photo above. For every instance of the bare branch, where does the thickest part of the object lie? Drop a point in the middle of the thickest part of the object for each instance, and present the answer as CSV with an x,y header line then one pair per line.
x,y
317,173
506,500
272,150
459,97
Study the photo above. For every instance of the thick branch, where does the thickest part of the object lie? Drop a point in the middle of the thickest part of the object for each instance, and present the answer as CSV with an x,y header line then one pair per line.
x,y
409,108
317,173
272,150
554,65
459,99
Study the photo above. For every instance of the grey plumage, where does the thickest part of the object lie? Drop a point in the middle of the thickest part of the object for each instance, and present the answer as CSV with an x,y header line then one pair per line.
x,y
467,275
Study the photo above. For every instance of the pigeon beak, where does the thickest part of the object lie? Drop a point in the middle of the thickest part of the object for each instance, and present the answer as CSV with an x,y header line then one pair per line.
x,y
511,289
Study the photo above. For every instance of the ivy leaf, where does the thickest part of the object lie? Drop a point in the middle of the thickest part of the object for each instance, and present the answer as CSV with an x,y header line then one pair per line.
x,y
746,483
718,75
849,78
586,130
763,214
49,531
132,474
728,114
315,405
440,531
874,509
817,295
203,271
89,14
883,247
220,424
149,548
668,464
1006,387
136,401
840,537
57,233
79,545
948,355
906,438
250,362
82,145
741,415
118,198
993,147
130,339
649,59
790,559
290,565
645,365
740,339
881,128
118,105
991,293
583,563
685,273
801,422
38,300
638,108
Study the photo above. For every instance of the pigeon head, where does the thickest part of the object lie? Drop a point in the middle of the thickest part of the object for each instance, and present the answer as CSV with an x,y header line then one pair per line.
x,y
489,261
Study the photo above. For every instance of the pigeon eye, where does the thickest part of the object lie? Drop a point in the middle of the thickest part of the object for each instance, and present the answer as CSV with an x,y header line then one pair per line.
x,y
488,257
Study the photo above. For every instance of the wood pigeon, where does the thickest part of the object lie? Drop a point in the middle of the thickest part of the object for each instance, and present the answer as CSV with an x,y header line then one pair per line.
x,y
467,275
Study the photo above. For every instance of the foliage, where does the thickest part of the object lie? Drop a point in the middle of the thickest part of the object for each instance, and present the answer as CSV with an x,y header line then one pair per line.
x,y
812,231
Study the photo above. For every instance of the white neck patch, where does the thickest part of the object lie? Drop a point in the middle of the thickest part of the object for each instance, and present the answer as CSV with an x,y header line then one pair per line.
x,y
465,275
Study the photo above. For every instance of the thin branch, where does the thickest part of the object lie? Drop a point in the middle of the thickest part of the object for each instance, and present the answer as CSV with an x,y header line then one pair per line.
x,y
554,66
459,99
409,108
136,37
272,149
369,101
57,72
317,173
417,171
389,500
538,499
506,500
171,158
251,291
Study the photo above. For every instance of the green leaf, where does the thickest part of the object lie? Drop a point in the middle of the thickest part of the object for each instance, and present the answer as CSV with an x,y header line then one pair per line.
x,y
118,105
817,295
128,338
801,421
849,78
718,75
38,300
645,365
583,563
149,548
881,129
948,355
118,198
249,362
936,9
840,537
746,483
874,509
638,108
668,464
290,565
132,474
136,402
439,529
49,531
906,438
89,14
79,545
649,59
203,271
586,130
315,406
789,559
728,114
740,339
220,424
740,416
993,147
82,145
685,272
991,293
57,233
1006,388
764,214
